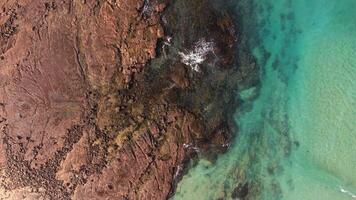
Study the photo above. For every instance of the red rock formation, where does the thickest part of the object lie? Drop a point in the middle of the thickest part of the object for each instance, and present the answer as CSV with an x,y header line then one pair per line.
x,y
52,54
144,168
78,117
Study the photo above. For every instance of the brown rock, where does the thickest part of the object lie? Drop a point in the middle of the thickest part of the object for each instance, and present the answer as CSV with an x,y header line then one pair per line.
x,y
74,160
81,116
179,76
141,166
52,54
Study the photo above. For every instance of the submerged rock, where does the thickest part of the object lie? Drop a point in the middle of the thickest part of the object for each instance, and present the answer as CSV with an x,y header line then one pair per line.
x,y
240,191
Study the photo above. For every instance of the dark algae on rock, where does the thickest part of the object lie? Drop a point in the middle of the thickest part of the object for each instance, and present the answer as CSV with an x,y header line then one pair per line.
x,y
113,99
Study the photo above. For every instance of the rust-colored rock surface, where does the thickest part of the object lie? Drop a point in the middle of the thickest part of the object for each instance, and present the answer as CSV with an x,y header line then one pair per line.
x,y
53,53
83,113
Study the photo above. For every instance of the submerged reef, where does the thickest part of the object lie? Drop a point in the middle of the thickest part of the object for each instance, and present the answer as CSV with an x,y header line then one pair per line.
x,y
112,99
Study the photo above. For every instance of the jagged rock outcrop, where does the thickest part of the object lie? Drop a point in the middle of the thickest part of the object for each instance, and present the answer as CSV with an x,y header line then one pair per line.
x,y
83,115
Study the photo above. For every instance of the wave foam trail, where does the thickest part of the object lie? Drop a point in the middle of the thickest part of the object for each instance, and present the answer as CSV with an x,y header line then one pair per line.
x,y
348,192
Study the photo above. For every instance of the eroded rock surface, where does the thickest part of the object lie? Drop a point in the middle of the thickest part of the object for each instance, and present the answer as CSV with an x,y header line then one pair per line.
x,y
83,115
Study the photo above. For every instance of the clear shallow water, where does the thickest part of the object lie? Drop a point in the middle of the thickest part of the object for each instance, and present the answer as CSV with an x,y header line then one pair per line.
x,y
297,140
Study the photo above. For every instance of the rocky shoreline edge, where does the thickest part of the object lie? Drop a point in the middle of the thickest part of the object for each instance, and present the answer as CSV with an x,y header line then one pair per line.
x,y
113,99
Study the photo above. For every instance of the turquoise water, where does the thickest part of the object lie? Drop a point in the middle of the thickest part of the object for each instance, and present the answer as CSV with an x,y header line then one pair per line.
x,y
297,140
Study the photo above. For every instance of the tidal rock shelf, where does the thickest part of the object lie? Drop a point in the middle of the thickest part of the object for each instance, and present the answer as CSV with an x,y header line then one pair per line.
x,y
97,102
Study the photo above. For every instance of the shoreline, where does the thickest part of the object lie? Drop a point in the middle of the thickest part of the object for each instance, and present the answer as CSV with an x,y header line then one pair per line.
x,y
118,120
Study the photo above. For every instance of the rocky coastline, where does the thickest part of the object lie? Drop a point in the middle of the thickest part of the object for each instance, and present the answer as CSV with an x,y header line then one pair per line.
x,y
114,99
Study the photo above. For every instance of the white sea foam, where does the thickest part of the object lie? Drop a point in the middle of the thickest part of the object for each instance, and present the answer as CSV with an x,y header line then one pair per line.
x,y
179,169
198,54
191,146
348,192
